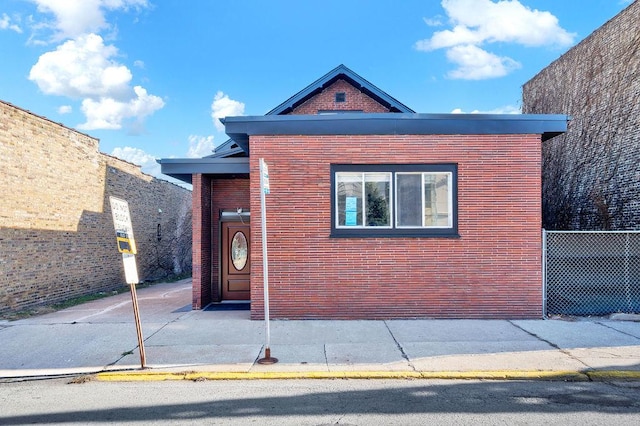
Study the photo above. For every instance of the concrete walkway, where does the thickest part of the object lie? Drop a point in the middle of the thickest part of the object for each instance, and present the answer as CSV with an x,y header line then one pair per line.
x,y
99,338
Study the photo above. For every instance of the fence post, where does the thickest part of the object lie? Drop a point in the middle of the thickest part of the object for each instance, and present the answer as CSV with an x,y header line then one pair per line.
x,y
626,272
544,273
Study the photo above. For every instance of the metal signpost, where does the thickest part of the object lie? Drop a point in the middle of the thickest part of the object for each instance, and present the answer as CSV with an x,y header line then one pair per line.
x,y
265,189
127,246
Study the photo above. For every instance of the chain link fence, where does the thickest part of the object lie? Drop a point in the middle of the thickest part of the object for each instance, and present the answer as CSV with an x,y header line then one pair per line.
x,y
591,273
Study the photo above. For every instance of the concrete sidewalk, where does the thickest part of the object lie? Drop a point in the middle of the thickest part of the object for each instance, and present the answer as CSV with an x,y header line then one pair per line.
x,y
100,337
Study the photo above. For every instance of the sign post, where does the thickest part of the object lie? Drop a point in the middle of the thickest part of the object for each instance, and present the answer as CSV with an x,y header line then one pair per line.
x,y
264,190
127,246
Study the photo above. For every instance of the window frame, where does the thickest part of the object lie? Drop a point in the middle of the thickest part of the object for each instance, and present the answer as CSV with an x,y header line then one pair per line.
x,y
394,230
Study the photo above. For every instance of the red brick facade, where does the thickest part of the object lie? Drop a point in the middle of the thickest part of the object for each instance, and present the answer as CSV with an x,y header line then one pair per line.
x,y
210,198
355,100
201,222
228,194
493,270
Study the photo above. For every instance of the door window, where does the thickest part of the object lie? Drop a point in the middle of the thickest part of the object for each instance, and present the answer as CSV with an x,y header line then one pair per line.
x,y
239,251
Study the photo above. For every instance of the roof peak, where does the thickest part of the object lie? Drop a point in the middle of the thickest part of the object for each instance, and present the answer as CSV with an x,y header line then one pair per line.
x,y
345,73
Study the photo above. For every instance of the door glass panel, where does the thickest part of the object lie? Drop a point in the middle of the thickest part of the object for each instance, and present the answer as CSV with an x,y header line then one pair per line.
x,y
239,251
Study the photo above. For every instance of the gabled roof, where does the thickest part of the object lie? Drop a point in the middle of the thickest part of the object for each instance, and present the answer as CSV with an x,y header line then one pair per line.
x,y
341,72
229,148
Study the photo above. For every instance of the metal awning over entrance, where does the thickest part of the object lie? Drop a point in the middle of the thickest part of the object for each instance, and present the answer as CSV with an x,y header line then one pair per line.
x,y
183,168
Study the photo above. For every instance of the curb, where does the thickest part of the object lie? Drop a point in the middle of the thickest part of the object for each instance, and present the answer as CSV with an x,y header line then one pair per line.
x,y
602,375
572,376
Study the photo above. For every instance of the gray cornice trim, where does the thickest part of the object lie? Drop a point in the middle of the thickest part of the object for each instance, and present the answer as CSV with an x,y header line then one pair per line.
x,y
183,168
546,125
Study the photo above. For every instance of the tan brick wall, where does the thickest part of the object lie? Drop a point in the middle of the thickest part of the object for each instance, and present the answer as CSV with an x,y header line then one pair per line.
x,y
492,271
56,233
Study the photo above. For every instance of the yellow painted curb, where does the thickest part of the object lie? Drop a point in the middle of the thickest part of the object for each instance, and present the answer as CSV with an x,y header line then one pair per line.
x,y
574,376
131,376
613,375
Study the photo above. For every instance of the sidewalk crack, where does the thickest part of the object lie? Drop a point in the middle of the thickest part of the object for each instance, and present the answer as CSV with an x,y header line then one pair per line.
x,y
553,345
400,348
144,340
326,359
619,331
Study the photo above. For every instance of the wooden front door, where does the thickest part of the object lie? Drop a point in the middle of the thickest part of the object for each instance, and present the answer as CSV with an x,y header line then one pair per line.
x,y
236,261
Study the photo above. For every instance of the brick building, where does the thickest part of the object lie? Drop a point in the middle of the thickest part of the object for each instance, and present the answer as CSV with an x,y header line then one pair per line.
x,y
374,211
57,239
591,174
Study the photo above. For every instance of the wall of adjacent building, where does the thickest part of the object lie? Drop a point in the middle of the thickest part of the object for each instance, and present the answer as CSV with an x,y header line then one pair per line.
x,y
591,174
57,239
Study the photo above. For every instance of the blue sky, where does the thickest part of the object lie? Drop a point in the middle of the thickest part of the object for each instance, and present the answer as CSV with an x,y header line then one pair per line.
x,y
150,77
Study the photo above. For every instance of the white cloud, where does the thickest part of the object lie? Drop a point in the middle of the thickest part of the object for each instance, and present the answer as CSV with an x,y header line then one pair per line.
x,y
82,68
147,162
74,18
138,64
436,21
6,24
65,109
475,63
200,146
223,106
478,22
109,113
507,109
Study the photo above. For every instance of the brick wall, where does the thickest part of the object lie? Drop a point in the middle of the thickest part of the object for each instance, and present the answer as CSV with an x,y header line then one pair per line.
x,y
591,174
492,271
56,232
227,194
210,198
355,100
201,275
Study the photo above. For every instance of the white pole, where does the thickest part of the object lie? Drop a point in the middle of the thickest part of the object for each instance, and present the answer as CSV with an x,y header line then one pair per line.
x,y
265,265
544,273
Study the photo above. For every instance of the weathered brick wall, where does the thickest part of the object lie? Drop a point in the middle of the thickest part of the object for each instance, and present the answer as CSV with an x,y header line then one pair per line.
x,y
492,271
56,232
592,173
355,100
